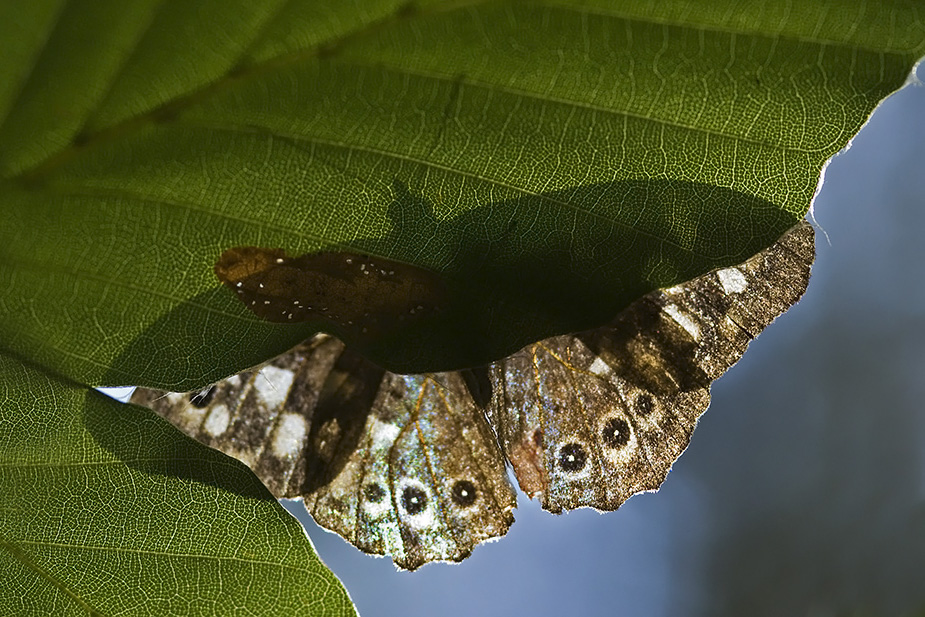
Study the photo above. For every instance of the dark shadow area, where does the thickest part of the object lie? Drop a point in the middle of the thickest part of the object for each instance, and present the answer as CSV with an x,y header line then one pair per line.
x,y
526,269
517,271
144,441
345,401
172,354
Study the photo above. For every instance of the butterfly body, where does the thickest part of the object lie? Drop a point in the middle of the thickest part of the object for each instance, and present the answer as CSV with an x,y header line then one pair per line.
x,y
414,466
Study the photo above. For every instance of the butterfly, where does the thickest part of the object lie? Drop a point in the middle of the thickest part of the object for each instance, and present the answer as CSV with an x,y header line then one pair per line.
x,y
414,466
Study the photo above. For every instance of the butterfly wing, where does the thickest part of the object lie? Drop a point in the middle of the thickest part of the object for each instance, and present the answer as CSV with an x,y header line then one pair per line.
x,y
591,419
360,296
410,466
427,482
397,465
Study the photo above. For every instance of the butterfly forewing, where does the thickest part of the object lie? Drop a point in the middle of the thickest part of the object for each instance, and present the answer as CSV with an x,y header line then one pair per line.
x,y
361,296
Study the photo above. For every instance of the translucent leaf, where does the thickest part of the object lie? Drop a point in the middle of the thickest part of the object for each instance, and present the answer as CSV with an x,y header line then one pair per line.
x,y
551,161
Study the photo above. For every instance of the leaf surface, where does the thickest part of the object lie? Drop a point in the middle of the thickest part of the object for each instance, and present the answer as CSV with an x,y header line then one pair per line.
x,y
108,510
552,161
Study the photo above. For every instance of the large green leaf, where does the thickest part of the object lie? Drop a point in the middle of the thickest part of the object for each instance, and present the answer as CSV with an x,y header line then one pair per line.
x,y
552,160
105,509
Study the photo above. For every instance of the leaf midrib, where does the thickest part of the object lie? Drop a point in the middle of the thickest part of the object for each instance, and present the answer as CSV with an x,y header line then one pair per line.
x,y
133,551
23,558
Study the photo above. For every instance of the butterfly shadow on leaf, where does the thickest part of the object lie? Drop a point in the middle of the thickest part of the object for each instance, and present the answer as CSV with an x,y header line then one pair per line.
x,y
493,279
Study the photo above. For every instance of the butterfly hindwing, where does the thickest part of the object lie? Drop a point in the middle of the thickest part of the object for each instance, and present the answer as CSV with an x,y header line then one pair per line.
x,y
468,471
442,496
568,433
398,465
426,483
592,418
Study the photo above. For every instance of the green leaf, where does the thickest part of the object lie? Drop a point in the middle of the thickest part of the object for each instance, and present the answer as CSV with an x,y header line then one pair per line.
x,y
107,509
553,161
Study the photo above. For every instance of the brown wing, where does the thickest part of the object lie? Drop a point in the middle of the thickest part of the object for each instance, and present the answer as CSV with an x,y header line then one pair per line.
x,y
591,419
426,483
360,295
397,465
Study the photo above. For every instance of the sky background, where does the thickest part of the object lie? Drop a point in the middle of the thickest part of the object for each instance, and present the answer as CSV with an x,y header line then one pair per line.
x,y
803,490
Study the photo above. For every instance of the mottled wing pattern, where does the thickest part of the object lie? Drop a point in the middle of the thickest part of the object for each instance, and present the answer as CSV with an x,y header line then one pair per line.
x,y
397,465
261,417
360,295
593,418
426,482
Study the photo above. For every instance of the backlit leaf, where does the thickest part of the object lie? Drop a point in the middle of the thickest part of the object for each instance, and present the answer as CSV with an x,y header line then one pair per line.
x,y
550,161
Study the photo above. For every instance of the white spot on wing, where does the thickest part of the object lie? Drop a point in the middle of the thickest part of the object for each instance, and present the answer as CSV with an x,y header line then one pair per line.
x,y
272,385
599,367
218,420
377,509
290,435
683,320
190,417
732,280
384,434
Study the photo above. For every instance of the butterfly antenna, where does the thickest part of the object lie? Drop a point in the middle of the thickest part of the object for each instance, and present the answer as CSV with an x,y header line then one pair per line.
x,y
272,385
817,225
